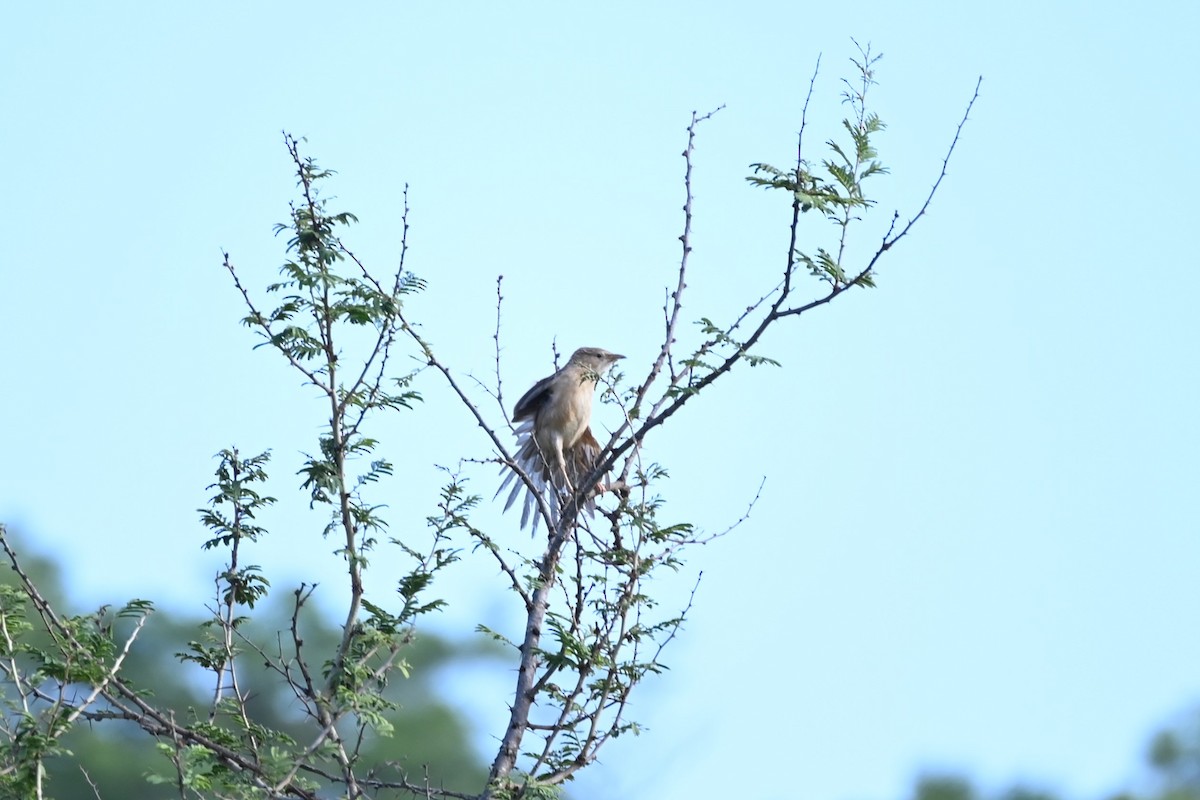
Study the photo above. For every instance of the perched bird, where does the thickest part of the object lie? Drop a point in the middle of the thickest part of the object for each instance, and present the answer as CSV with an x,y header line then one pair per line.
x,y
555,446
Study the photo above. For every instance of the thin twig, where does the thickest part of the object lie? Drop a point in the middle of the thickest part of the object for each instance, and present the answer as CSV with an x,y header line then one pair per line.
x,y
100,687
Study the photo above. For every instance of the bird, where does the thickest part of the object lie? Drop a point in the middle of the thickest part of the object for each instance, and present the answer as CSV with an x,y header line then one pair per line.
x,y
555,444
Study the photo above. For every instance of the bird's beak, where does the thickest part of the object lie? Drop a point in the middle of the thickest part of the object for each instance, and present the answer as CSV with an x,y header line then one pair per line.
x,y
615,357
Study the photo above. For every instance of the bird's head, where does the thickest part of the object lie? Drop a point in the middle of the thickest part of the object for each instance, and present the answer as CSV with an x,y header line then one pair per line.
x,y
594,359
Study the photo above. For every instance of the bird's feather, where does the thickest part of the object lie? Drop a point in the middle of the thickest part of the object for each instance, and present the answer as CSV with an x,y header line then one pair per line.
x,y
556,449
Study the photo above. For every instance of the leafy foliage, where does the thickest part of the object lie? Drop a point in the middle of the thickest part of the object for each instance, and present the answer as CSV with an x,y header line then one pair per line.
x,y
592,628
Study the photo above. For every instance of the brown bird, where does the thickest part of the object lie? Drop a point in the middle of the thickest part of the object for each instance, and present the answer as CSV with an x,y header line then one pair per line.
x,y
555,445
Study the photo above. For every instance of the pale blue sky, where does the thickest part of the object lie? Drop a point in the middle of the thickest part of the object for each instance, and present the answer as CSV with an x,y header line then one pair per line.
x,y
977,544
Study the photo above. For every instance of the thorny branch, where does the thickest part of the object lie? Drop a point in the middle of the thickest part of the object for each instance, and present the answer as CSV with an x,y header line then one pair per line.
x,y
778,310
590,631
683,384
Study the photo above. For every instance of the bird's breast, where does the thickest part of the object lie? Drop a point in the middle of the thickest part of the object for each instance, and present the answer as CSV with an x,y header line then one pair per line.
x,y
569,418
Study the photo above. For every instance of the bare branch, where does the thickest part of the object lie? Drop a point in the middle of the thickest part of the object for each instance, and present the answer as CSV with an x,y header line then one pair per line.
x,y
676,298
887,243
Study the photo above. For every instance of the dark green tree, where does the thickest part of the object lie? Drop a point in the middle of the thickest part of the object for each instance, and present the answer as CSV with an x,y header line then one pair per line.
x,y
115,758
1172,765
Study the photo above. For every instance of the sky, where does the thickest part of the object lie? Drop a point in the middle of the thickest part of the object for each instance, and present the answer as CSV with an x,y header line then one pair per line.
x,y
976,545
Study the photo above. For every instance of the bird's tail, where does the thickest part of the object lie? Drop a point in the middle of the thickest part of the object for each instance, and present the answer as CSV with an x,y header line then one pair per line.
x,y
580,460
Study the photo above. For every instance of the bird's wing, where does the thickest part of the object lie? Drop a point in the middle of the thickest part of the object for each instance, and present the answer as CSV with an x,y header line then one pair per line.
x,y
581,460
583,456
537,396
529,458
